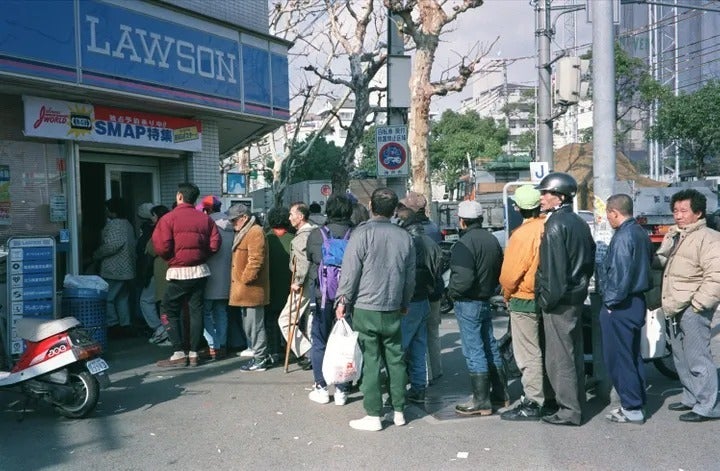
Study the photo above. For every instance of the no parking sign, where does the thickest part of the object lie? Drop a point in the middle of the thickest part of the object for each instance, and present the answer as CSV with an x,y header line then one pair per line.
x,y
391,144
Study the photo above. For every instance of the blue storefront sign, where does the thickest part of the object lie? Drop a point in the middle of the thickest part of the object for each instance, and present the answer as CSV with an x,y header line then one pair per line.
x,y
31,283
143,49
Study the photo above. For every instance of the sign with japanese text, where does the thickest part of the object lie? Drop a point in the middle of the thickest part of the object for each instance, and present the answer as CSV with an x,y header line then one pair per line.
x,y
31,284
85,122
391,144
4,195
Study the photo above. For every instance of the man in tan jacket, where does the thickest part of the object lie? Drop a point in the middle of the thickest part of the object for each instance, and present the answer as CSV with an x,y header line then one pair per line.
x,y
250,282
690,253
517,279
302,283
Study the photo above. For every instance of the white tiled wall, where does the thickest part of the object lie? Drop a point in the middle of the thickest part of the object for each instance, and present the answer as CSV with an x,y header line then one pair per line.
x,y
250,14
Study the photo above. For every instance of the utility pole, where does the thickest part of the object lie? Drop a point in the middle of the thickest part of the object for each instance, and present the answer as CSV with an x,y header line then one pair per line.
x,y
544,93
395,116
603,154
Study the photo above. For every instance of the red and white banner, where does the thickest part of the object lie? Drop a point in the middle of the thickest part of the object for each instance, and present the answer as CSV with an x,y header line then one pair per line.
x,y
83,122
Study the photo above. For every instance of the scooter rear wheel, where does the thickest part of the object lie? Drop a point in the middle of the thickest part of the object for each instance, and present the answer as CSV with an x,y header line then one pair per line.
x,y
87,393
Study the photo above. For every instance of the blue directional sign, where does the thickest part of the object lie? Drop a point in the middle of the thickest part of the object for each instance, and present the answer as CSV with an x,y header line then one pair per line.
x,y
31,284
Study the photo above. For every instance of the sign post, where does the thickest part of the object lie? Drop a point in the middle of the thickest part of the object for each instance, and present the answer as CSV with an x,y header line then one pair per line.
x,y
31,284
391,144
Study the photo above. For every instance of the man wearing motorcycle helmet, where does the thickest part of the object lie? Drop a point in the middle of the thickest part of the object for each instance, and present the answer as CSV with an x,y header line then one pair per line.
x,y
567,260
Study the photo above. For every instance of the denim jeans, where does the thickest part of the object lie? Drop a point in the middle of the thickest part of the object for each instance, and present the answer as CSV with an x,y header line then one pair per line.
x,y
215,318
148,306
413,327
476,335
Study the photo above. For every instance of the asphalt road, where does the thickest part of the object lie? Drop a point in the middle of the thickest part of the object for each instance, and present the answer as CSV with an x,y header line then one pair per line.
x,y
216,417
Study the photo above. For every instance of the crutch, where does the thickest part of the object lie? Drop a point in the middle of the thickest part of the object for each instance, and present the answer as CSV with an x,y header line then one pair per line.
x,y
292,324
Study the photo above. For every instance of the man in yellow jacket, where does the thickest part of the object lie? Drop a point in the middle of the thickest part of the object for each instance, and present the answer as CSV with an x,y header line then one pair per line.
x,y
517,278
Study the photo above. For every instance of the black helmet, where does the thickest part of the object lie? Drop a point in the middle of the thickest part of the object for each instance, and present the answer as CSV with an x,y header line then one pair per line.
x,y
559,182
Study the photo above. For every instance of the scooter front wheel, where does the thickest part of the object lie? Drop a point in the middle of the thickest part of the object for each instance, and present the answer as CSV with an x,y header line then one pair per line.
x,y
86,394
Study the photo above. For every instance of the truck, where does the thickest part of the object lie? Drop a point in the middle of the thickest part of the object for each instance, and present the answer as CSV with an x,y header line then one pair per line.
x,y
308,191
652,206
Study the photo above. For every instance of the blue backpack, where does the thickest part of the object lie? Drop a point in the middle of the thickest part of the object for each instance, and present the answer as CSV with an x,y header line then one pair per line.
x,y
329,269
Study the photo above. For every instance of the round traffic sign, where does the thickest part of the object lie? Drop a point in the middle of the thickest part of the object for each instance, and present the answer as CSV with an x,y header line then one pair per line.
x,y
392,156
325,190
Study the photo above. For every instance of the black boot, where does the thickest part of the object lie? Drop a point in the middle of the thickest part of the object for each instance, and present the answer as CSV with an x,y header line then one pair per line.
x,y
480,403
499,395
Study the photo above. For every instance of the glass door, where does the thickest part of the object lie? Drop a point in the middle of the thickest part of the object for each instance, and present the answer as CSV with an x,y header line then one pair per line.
x,y
135,184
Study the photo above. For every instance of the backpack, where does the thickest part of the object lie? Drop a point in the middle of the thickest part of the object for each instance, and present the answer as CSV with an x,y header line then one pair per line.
x,y
329,269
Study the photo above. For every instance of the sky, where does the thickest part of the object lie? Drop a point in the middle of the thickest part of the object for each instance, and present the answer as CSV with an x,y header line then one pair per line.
x,y
512,22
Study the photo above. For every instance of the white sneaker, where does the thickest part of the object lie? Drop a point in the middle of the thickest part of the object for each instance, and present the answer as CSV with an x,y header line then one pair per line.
x,y
319,395
247,353
340,397
367,423
399,419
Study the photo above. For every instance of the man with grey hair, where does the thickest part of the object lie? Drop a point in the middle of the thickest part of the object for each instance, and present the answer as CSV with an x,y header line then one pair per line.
x,y
250,282
624,275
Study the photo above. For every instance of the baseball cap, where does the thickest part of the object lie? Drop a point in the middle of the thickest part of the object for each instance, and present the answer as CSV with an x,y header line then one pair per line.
x,y
527,197
210,202
414,201
236,210
143,210
470,210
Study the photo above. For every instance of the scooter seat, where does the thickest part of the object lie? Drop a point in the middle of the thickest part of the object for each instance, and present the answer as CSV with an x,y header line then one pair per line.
x,y
35,330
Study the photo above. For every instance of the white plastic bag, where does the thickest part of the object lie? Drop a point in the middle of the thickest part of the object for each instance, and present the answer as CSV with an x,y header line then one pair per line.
x,y
85,282
343,358
652,337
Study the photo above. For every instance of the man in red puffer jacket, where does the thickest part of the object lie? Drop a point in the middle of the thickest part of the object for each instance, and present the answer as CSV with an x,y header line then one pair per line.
x,y
185,238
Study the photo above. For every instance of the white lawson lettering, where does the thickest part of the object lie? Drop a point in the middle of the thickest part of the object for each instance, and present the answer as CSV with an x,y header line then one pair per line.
x,y
157,52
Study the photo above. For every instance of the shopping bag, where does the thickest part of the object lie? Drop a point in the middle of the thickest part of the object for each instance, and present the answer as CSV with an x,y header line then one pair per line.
x,y
343,358
652,337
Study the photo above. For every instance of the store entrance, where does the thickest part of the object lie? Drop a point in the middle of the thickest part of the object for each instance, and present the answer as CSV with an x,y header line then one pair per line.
x,y
99,181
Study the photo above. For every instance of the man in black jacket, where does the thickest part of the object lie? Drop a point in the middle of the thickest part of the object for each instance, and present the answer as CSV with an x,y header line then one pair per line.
x,y
624,276
567,259
474,276
413,326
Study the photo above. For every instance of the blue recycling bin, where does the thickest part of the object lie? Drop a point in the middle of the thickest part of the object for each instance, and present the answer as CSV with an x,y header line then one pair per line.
x,y
89,306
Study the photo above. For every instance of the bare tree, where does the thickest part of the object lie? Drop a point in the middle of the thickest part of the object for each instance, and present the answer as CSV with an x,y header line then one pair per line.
x,y
356,28
422,22
324,34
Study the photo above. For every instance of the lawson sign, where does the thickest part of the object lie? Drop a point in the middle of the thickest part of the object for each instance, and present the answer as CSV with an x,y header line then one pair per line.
x,y
57,119
144,49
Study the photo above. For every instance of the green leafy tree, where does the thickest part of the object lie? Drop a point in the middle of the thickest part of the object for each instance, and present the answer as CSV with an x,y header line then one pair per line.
x,y
455,137
635,91
368,157
321,163
688,120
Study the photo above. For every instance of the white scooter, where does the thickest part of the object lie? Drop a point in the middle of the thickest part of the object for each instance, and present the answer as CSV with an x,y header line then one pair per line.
x,y
61,365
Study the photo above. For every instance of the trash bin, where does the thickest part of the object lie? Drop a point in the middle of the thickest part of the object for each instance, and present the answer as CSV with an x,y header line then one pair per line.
x,y
89,306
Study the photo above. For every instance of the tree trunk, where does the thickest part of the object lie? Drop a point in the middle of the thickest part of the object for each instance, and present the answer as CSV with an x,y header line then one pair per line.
x,y
419,123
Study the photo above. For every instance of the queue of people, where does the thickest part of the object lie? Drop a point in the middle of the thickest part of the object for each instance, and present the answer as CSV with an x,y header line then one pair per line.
x,y
381,271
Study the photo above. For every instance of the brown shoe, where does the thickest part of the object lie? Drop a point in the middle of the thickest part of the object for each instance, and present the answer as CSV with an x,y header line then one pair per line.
x,y
218,354
170,363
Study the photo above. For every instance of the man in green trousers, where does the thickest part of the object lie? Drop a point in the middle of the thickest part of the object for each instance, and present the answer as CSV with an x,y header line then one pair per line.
x,y
376,285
